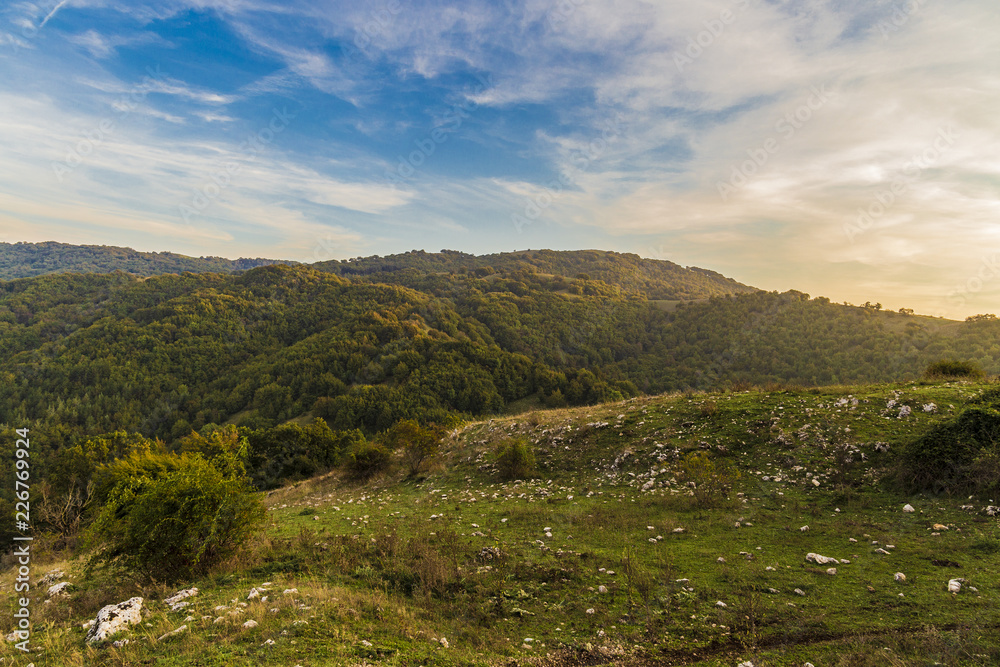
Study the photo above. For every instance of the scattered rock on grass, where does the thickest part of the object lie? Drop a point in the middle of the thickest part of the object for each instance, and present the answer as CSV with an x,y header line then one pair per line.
x,y
821,560
52,576
175,600
114,618
59,590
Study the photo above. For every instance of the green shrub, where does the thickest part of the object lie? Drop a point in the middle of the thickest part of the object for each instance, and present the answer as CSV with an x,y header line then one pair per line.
x,y
958,456
135,470
368,458
952,368
176,522
515,459
712,479
989,397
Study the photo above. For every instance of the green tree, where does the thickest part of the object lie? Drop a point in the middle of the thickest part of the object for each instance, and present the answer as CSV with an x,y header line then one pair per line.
x,y
419,443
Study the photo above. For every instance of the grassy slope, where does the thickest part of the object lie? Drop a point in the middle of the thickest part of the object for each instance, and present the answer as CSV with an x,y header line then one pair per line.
x,y
380,580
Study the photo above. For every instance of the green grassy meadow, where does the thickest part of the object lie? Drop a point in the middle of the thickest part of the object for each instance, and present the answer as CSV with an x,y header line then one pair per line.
x,y
606,556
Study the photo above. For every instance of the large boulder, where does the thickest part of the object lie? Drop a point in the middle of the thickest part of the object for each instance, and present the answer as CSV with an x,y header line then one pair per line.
x,y
115,618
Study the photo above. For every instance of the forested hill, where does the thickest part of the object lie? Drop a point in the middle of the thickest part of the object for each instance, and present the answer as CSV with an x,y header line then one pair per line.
x,y
25,260
657,279
93,353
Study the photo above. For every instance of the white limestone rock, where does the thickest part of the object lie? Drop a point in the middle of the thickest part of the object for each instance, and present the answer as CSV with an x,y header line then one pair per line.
x,y
114,618
821,560
59,590
175,600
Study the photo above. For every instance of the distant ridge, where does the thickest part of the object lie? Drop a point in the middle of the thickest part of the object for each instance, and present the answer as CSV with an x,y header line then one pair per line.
x,y
631,274
657,279
26,260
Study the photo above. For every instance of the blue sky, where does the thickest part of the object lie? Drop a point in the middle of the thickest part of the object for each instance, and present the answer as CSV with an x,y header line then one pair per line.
x,y
844,148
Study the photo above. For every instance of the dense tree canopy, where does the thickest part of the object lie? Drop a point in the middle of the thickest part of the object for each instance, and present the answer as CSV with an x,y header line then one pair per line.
x,y
24,260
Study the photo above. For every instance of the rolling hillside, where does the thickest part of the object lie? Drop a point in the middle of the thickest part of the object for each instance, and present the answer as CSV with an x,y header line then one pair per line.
x,y
709,529
100,352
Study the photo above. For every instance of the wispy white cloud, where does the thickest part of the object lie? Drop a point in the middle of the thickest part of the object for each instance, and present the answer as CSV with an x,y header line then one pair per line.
x,y
131,180
102,46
